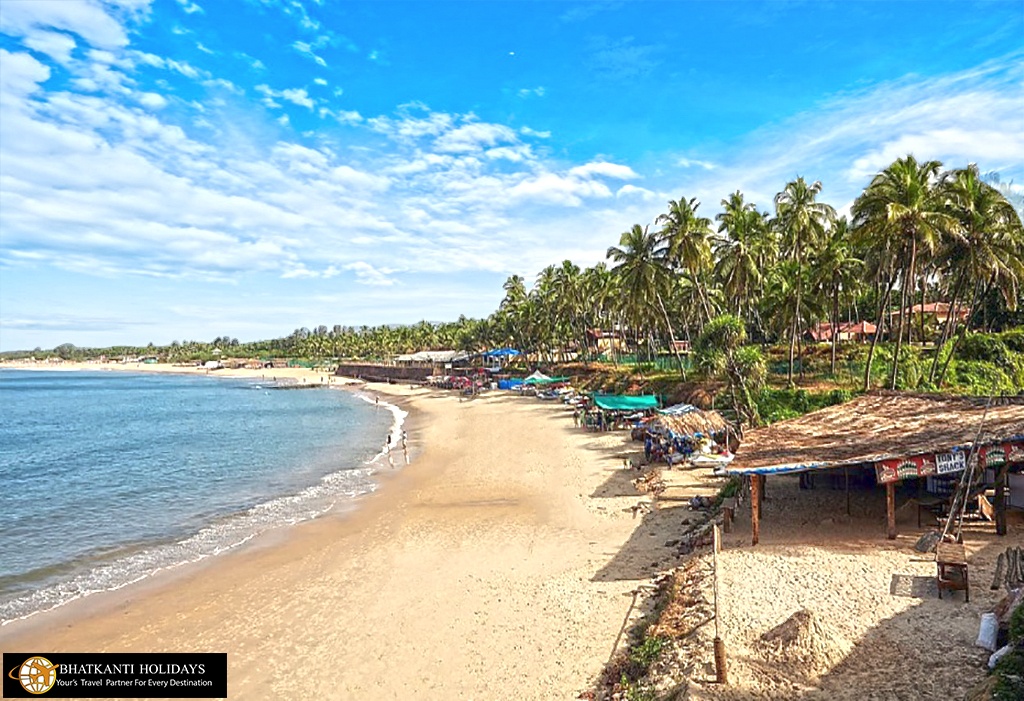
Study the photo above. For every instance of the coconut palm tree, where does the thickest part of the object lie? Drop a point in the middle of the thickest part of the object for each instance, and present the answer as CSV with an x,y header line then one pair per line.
x,y
901,213
835,273
644,276
802,222
743,249
984,247
686,238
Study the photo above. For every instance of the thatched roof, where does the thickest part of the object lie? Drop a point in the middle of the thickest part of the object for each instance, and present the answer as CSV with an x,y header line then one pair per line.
x,y
697,421
878,426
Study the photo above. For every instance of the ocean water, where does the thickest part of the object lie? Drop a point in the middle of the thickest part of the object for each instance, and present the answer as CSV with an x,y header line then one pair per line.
x,y
108,477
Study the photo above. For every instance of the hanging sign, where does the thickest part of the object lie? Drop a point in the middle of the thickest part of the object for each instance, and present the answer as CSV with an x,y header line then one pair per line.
x,y
947,463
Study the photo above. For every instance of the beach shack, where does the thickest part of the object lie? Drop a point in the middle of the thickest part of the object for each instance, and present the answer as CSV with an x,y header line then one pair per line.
x,y
685,433
895,437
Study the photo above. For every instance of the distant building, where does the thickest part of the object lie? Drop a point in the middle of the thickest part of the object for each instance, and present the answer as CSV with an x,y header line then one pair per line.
x,y
860,331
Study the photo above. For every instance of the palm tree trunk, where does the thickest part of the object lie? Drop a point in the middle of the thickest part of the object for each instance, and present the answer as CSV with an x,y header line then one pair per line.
x,y
792,349
966,327
903,317
835,326
672,337
882,306
950,326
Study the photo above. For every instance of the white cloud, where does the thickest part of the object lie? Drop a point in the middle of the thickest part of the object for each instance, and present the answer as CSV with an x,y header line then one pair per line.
x,y
306,49
532,92
550,188
296,96
369,275
319,81
605,169
54,44
86,19
527,131
634,191
474,137
153,100
189,7
694,163
21,75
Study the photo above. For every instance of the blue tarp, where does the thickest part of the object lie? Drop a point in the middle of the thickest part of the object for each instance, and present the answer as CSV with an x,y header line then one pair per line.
x,y
502,353
509,384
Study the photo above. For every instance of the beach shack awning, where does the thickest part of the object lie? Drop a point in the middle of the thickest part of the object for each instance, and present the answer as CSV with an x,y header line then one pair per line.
x,y
900,435
624,402
877,428
687,420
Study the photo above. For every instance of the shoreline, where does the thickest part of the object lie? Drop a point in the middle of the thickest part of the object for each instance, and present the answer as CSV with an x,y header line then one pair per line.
x,y
382,465
480,569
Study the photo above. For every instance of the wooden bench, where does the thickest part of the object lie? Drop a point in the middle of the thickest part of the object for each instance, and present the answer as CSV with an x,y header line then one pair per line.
x,y
952,565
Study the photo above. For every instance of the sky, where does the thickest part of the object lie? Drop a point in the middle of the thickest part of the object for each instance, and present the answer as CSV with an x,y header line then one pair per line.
x,y
179,169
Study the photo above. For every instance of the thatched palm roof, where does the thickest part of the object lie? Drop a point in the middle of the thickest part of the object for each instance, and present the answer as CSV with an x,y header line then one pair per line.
x,y
879,426
706,422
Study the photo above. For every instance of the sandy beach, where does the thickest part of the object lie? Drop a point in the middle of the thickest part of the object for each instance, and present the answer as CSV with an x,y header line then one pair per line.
x,y
483,570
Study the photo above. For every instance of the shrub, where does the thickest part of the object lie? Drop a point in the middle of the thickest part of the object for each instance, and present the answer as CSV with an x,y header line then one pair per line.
x,y
986,347
1014,339
1017,626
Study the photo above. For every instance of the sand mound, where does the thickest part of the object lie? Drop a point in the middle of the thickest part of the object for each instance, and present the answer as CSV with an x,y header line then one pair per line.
x,y
800,645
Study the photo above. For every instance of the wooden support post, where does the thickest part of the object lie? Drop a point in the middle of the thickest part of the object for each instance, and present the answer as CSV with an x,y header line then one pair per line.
x,y
721,675
999,501
846,476
755,509
890,509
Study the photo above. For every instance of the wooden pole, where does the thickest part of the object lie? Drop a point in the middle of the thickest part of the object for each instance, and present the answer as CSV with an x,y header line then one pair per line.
x,y
999,501
755,509
846,476
721,672
890,509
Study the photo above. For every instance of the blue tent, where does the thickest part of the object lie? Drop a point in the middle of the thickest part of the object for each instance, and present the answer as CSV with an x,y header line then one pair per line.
x,y
502,353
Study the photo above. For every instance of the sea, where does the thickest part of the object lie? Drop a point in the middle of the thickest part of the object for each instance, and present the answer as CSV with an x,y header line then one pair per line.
x,y
109,477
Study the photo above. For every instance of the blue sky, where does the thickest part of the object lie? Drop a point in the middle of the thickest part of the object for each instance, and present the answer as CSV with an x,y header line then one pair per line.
x,y
172,169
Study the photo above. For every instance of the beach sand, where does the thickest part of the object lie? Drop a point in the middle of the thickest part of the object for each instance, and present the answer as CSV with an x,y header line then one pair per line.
x,y
486,569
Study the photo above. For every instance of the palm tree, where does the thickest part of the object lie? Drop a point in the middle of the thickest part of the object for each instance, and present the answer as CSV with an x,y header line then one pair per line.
x,y
802,221
742,253
985,247
687,247
836,272
644,278
720,351
901,212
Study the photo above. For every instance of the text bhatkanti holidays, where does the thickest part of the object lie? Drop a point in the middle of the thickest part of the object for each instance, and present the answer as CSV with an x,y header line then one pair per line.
x,y
131,669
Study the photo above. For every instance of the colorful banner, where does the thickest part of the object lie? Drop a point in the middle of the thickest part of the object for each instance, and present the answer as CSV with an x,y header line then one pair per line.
x,y
949,463
920,466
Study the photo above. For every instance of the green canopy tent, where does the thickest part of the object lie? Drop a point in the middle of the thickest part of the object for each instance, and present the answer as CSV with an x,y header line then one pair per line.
x,y
623,402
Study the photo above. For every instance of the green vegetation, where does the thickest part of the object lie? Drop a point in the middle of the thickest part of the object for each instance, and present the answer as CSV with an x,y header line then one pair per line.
x,y
1009,671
